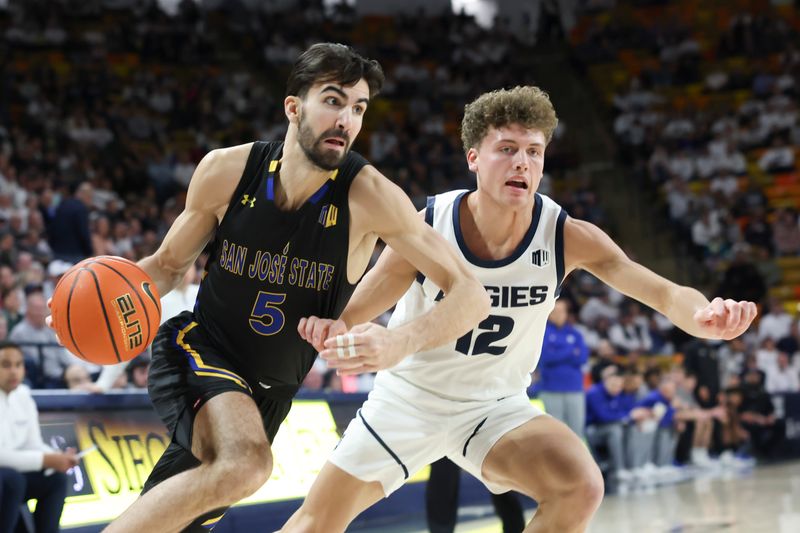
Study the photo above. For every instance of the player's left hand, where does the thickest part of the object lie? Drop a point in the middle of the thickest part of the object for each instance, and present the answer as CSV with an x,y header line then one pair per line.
x,y
725,319
365,348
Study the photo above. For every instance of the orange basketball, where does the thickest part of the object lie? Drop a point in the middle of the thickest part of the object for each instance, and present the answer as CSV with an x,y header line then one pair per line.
x,y
106,310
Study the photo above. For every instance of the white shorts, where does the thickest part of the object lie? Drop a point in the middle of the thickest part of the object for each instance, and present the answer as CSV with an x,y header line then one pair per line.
x,y
400,429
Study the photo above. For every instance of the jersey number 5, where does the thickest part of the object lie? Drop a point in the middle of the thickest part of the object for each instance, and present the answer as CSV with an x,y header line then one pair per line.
x,y
267,318
494,329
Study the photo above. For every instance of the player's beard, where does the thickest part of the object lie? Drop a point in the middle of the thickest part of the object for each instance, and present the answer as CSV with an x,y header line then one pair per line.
x,y
316,152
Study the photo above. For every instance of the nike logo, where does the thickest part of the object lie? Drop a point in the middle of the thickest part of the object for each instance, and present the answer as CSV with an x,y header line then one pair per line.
x,y
264,385
148,291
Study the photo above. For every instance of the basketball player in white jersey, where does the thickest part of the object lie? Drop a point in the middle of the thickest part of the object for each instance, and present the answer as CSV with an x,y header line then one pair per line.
x,y
467,400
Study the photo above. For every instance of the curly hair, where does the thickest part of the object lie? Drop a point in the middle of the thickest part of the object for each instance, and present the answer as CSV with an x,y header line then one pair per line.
x,y
528,106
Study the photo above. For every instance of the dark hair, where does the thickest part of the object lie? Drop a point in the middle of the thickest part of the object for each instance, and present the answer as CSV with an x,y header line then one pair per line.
x,y
333,62
9,345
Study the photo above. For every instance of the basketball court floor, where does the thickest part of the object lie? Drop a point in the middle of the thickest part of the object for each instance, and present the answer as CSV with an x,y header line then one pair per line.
x,y
761,500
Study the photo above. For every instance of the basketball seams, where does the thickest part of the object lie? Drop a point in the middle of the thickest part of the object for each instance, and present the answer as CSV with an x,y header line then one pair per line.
x,y
69,317
127,263
105,314
135,291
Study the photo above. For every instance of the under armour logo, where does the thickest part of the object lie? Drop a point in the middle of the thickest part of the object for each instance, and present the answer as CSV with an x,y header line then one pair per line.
x,y
246,198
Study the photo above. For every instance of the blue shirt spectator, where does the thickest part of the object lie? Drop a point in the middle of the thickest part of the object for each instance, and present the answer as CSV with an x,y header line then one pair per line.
x,y
654,398
563,354
602,407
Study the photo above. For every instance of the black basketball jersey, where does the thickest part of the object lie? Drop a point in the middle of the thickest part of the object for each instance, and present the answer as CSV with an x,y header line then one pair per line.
x,y
269,268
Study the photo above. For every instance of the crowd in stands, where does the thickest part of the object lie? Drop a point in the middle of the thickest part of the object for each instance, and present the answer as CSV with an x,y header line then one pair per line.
x,y
105,113
703,103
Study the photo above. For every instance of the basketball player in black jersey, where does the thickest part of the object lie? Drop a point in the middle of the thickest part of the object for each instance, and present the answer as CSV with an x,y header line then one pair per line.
x,y
294,224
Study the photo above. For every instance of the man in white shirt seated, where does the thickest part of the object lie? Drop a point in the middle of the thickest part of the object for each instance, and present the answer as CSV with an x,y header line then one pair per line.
x,y
29,469
36,338
783,377
776,324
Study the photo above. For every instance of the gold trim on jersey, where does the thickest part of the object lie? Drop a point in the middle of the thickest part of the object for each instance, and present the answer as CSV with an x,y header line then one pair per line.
x,y
210,371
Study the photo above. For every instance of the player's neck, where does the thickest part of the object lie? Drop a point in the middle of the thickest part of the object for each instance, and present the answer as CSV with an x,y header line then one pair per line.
x,y
492,231
298,178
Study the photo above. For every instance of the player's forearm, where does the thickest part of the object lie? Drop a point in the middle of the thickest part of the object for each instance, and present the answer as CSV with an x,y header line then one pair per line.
x,y
370,301
377,292
164,278
462,308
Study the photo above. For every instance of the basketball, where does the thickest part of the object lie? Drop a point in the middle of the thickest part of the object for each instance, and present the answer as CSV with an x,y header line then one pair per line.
x,y
106,310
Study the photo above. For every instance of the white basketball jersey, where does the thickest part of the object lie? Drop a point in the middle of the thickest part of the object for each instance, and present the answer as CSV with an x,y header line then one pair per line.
x,y
495,359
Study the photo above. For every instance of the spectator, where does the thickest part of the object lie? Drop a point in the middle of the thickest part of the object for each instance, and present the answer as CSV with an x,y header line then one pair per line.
x,y
560,367
782,378
137,371
778,158
791,342
606,415
742,280
786,233
24,457
776,323
599,306
768,269
38,339
69,234
731,359
693,421
605,358
652,438
701,359
12,305
758,418
758,232
629,334
76,377
733,436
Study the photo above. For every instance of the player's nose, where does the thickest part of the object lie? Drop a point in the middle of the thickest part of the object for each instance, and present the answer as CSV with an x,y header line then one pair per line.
x,y
343,120
521,161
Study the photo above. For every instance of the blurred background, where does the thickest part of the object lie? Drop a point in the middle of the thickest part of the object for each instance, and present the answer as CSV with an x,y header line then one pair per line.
x,y
678,135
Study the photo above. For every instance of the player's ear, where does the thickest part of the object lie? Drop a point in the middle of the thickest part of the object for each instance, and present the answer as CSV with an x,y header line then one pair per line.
x,y
291,106
472,160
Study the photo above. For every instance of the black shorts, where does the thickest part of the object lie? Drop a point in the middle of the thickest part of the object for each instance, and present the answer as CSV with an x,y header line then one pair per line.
x,y
187,370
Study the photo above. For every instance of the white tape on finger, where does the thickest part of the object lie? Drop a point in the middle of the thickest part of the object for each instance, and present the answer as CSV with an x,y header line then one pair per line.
x,y
340,352
340,340
352,351
350,339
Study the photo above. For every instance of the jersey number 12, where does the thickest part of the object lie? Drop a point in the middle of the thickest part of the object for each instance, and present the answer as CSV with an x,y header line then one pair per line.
x,y
492,330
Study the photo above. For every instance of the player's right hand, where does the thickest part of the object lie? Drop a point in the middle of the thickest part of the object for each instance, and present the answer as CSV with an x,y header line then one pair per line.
x,y
315,330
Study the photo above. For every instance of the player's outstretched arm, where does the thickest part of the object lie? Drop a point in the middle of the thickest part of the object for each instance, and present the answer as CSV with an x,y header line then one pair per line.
x,y
381,208
210,191
588,247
